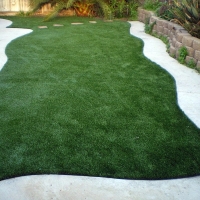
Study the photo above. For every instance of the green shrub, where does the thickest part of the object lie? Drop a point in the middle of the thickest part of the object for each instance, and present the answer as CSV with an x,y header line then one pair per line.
x,y
102,8
164,11
80,5
149,27
191,64
132,6
151,4
182,53
187,14
23,14
123,8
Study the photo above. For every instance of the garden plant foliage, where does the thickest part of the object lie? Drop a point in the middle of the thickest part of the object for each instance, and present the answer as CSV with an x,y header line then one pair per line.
x,y
83,100
184,12
108,9
187,14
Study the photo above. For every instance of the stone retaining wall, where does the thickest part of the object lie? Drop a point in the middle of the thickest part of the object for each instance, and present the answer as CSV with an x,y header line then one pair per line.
x,y
176,35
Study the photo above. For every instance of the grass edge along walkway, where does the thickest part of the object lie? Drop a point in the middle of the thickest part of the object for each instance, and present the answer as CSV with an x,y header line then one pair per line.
x,y
83,100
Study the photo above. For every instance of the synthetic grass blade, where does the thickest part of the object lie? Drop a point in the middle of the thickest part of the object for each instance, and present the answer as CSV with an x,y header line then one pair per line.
x,y
83,100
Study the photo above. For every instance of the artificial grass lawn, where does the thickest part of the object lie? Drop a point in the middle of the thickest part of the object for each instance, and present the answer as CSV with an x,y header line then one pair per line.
x,y
83,100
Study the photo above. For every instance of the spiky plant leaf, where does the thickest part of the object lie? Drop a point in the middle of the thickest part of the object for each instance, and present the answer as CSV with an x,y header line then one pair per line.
x,y
105,8
37,4
187,13
195,12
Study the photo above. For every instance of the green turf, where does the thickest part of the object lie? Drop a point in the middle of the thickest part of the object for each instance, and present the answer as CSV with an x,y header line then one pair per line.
x,y
83,100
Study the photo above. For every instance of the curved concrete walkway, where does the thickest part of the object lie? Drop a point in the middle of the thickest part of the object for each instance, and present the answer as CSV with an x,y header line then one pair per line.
x,y
62,187
187,80
6,36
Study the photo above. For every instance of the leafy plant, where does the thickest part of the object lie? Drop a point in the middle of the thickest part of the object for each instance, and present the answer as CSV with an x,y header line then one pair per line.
x,y
123,8
133,5
182,53
151,4
164,11
173,55
24,14
191,64
37,4
106,8
82,7
187,14
118,7
149,27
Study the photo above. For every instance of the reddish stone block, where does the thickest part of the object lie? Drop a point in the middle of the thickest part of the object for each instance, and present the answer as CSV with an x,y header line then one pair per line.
x,y
187,41
171,35
172,51
190,51
170,25
165,31
196,44
188,59
155,27
165,24
160,28
197,55
143,18
178,45
174,42
160,22
198,65
179,36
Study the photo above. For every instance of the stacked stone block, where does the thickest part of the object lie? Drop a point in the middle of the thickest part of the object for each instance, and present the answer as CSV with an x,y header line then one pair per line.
x,y
176,35
144,15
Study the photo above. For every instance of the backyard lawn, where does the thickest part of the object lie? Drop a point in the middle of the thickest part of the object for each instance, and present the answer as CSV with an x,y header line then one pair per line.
x,y
83,100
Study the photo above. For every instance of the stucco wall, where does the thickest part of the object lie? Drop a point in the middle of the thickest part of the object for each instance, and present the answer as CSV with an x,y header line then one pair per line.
x,y
11,7
176,35
14,5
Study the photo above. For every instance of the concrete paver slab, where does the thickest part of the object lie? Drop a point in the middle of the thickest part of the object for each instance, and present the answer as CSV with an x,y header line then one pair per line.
x,y
92,22
42,27
58,25
76,23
